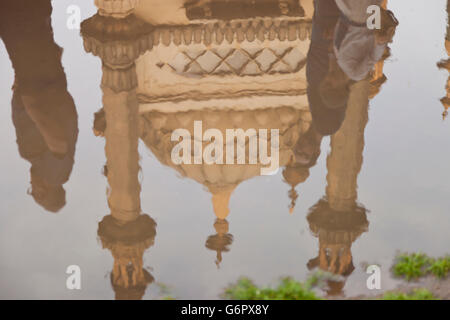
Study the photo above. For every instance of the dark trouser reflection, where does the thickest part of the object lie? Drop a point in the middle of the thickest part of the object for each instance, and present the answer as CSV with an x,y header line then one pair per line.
x,y
43,111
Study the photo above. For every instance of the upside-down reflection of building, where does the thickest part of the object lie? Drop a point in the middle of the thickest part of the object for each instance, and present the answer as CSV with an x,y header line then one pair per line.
x,y
445,64
206,61
378,77
338,220
222,179
166,66
126,232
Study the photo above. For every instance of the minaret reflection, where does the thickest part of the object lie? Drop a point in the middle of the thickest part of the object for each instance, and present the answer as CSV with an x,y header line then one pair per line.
x,y
43,111
445,64
126,232
344,71
338,220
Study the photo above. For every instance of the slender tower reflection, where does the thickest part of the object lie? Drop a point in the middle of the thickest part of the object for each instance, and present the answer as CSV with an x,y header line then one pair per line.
x,y
338,220
445,64
126,232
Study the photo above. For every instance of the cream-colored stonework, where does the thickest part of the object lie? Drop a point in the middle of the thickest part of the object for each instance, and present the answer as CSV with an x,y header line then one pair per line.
x,y
243,73
236,68
116,8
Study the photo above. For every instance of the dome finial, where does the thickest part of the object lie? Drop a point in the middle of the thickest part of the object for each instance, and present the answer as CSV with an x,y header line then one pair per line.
x,y
220,201
221,241
293,195
294,175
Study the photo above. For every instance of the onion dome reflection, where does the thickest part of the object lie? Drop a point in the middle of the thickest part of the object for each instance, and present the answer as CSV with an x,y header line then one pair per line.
x,y
228,70
242,71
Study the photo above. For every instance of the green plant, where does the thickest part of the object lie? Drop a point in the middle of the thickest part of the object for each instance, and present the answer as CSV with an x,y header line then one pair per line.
x,y
411,266
415,265
164,292
288,289
417,294
440,267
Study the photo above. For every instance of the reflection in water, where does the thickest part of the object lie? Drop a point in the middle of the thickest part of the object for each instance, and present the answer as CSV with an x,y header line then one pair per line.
x,y
337,219
221,241
238,9
246,74
255,68
126,232
339,100
445,64
43,111
231,72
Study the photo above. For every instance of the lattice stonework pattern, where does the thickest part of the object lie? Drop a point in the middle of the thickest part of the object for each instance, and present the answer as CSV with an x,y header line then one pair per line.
x,y
238,61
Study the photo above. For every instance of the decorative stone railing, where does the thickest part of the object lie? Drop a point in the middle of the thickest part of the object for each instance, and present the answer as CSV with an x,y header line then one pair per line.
x,y
145,36
234,31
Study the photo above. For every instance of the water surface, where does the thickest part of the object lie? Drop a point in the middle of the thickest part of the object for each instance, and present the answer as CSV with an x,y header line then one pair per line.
x,y
389,158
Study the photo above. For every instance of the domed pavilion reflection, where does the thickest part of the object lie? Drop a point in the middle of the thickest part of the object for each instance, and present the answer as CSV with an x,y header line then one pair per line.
x,y
166,67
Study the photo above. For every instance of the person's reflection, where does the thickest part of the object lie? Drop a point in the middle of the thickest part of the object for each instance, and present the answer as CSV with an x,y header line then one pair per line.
x,y
126,231
343,51
342,56
325,82
43,111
